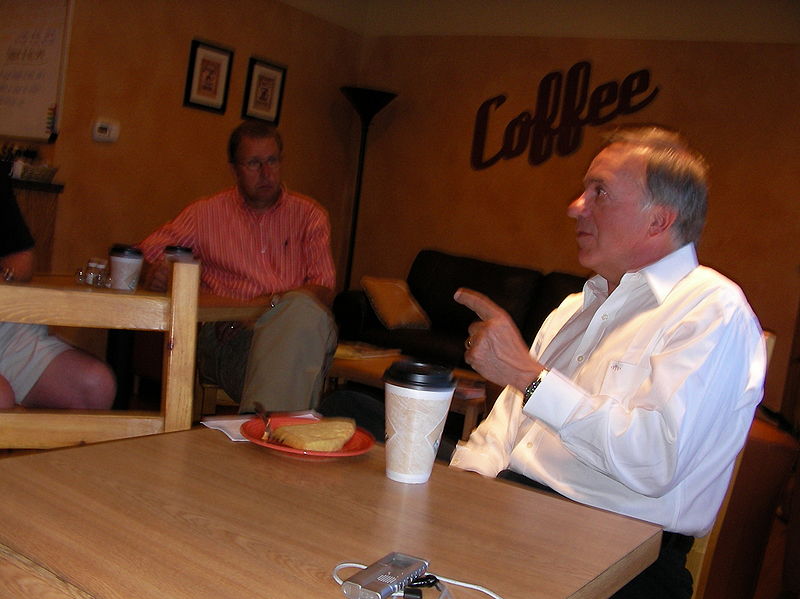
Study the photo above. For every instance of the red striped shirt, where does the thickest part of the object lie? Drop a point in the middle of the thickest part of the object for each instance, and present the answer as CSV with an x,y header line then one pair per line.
x,y
244,253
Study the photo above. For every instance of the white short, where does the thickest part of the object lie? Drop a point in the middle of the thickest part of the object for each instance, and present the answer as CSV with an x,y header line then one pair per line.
x,y
25,351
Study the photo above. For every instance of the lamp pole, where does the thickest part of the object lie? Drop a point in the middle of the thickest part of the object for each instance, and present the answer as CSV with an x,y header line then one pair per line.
x,y
367,103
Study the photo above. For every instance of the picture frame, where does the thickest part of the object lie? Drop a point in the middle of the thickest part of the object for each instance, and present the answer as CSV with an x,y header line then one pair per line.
x,y
208,77
263,94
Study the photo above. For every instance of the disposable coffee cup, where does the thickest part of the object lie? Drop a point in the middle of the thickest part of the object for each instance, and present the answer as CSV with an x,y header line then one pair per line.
x,y
126,266
178,253
417,402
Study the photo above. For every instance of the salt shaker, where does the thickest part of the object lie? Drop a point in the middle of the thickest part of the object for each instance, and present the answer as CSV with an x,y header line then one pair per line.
x,y
92,271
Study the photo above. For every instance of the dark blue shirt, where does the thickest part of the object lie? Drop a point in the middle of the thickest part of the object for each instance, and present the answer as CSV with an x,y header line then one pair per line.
x,y
14,233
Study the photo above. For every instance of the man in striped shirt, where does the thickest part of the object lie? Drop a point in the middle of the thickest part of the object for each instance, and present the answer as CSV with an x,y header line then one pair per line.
x,y
258,239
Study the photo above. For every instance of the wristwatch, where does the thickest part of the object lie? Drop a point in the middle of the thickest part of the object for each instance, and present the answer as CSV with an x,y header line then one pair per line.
x,y
526,395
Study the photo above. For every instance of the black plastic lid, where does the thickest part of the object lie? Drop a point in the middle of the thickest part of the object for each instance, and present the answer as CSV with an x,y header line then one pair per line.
x,y
177,249
417,374
120,249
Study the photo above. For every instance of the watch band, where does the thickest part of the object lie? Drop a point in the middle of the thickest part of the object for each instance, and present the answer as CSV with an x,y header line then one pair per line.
x,y
534,384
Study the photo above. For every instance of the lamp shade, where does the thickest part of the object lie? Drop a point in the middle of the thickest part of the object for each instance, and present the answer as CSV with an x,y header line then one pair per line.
x,y
367,102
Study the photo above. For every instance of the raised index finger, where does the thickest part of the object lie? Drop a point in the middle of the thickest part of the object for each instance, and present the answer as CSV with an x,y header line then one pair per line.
x,y
478,303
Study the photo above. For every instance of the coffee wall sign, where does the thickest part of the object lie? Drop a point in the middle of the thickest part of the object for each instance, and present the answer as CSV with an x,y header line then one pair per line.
x,y
564,106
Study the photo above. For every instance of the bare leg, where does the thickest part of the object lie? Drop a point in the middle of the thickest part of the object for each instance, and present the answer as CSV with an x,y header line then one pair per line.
x,y
6,394
74,379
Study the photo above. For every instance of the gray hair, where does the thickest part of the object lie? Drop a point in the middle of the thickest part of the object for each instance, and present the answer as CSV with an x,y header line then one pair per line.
x,y
677,176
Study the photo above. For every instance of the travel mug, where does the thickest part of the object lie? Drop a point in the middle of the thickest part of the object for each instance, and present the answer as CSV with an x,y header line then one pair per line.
x,y
417,402
126,266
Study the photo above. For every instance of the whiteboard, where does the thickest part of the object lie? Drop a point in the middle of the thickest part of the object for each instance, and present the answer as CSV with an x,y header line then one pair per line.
x,y
33,41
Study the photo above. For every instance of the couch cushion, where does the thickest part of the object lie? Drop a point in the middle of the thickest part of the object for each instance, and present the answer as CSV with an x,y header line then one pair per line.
x,y
393,303
435,276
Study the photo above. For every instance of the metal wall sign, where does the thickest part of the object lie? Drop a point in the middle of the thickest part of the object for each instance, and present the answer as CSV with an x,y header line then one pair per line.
x,y
565,104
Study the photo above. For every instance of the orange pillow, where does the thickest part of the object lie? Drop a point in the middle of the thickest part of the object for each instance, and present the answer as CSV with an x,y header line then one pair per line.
x,y
393,303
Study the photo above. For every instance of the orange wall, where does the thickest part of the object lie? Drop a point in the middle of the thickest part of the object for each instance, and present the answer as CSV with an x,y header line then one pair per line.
x,y
736,102
127,61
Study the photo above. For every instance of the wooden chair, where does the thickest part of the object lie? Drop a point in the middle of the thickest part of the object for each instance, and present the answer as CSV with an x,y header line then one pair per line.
x,y
700,557
208,397
769,458
174,313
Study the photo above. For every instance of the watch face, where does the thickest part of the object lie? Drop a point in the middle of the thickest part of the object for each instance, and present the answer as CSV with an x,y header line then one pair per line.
x,y
532,387
528,392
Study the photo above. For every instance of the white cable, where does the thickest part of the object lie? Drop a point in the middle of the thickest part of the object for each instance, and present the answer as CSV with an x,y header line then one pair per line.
x,y
341,566
467,585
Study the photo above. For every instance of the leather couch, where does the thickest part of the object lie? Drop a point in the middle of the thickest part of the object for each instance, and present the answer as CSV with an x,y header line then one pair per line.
x,y
528,295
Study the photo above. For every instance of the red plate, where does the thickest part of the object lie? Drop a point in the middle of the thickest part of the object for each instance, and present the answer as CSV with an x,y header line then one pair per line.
x,y
253,430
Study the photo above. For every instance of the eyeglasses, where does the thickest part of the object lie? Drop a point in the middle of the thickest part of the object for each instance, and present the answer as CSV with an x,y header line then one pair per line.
x,y
255,164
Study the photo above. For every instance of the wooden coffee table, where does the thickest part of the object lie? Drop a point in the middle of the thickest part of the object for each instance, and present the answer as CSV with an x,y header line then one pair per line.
x,y
369,371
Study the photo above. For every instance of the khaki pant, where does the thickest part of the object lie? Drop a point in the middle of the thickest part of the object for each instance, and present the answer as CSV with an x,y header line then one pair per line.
x,y
280,362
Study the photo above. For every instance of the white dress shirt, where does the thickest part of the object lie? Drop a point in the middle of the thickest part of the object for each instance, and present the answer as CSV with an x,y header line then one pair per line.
x,y
649,398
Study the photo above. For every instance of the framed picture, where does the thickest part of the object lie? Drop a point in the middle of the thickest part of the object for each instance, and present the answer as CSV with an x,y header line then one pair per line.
x,y
208,77
264,91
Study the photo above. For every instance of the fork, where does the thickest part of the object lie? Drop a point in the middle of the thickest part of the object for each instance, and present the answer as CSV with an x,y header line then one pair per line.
x,y
265,417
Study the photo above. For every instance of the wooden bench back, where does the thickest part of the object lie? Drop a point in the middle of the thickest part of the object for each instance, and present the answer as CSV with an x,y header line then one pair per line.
x,y
175,313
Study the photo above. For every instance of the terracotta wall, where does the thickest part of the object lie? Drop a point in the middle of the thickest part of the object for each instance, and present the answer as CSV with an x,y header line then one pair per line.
x,y
127,61
736,102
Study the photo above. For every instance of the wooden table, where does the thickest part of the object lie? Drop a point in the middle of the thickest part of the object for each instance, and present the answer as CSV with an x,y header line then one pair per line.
x,y
213,308
192,514
210,308
120,342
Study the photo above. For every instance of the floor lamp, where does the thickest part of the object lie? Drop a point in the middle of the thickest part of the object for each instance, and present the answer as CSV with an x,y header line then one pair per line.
x,y
367,102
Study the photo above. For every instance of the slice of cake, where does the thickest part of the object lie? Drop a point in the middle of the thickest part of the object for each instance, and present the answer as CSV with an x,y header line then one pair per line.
x,y
328,434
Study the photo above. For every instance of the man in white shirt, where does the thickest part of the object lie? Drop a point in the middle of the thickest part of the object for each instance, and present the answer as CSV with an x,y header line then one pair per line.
x,y
637,394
